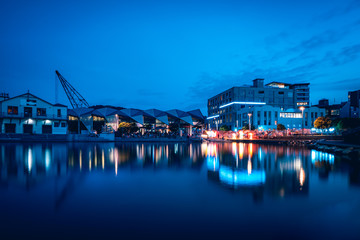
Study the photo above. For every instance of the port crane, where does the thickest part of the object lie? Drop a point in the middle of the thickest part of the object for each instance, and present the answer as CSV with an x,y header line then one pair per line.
x,y
75,98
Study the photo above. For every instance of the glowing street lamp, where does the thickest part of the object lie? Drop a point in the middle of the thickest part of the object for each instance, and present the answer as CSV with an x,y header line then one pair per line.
x,y
302,119
215,117
249,114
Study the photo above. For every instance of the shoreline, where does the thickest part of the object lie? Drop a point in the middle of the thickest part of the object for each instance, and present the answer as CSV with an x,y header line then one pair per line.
x,y
330,144
19,138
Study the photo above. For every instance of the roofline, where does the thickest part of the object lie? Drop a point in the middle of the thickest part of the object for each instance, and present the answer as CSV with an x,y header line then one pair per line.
x,y
28,93
288,84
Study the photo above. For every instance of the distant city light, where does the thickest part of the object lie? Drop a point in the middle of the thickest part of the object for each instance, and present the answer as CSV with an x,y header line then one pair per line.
x,y
243,103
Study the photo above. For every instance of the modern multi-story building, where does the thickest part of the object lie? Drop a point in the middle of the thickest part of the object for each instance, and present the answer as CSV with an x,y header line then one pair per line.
x,y
28,113
264,106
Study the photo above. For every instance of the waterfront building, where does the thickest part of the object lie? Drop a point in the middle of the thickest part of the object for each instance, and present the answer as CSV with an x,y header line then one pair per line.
x,y
268,117
109,118
264,106
30,114
333,111
348,109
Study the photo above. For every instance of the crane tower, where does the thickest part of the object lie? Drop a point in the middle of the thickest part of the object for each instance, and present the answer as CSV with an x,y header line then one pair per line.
x,y
75,98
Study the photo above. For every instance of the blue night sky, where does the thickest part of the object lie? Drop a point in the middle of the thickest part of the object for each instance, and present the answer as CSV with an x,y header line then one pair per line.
x,y
177,54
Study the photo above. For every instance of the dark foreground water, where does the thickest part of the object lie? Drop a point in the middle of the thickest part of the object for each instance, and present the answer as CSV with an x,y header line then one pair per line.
x,y
233,190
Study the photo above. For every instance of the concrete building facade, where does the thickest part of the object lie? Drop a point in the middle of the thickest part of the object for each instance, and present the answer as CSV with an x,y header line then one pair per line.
x,y
267,105
268,117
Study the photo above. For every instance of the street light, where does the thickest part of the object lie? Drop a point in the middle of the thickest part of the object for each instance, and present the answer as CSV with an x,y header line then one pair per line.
x,y
249,114
215,117
302,119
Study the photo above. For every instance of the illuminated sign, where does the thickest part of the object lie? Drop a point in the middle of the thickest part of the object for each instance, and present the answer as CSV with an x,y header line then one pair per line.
x,y
302,103
290,115
243,103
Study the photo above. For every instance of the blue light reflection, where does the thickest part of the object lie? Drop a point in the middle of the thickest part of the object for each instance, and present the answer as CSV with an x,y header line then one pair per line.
x,y
317,156
241,177
212,163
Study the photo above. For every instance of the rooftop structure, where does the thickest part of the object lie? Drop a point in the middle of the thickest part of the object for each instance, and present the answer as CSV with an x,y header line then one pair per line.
x,y
95,119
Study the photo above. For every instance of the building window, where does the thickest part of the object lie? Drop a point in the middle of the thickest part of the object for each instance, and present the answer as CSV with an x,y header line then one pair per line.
x,y
316,115
27,111
312,114
281,93
264,122
56,124
265,113
276,114
59,112
12,110
41,111
63,124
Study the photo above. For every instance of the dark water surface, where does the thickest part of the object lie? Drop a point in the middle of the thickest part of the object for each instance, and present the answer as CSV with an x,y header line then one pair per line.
x,y
97,190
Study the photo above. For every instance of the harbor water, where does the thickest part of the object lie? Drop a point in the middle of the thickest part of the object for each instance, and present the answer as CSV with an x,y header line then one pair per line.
x,y
177,190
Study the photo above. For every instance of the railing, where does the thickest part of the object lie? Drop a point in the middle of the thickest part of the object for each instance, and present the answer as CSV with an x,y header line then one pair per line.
x,y
33,116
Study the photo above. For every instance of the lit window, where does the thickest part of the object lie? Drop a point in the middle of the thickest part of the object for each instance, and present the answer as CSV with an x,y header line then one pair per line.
x,y
41,111
12,110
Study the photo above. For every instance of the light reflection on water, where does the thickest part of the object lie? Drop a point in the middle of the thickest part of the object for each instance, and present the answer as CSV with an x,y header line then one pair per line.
x,y
201,176
234,165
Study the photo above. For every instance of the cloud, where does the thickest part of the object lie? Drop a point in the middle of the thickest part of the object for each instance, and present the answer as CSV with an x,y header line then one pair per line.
x,y
302,60
349,83
346,55
337,12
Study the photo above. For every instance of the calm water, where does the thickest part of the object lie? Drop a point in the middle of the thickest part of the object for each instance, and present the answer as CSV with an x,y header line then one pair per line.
x,y
176,190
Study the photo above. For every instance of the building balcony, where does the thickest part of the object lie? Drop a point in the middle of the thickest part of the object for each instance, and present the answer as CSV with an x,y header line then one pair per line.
x,y
33,116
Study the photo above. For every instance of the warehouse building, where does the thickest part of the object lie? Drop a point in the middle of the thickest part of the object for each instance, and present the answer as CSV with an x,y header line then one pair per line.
x,y
29,114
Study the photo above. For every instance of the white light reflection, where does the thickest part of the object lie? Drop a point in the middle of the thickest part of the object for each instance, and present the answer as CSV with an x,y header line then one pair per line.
x,y
103,159
29,160
47,159
116,157
302,177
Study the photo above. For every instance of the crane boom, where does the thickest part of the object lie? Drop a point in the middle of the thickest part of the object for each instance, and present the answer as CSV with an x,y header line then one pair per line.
x,y
75,98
